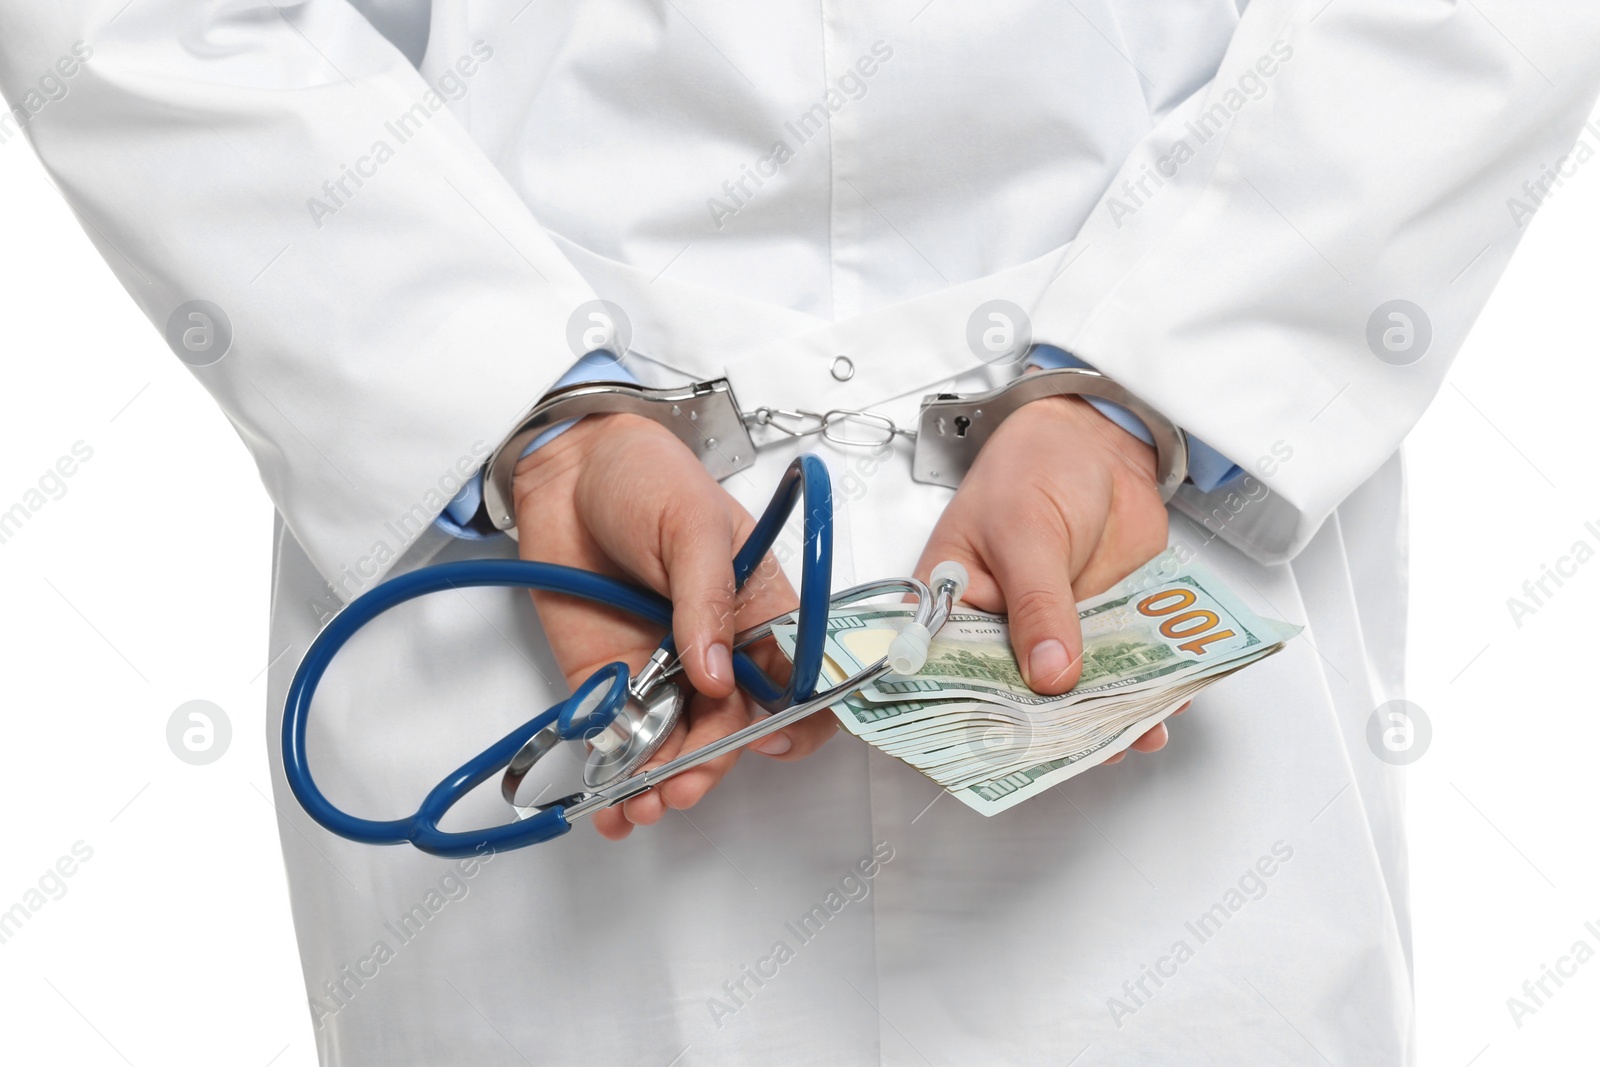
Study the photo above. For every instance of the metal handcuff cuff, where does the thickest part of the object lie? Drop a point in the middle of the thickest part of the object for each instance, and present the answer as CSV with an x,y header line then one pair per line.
x,y
623,721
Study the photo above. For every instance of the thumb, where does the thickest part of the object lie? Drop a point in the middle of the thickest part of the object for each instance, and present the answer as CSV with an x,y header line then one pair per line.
x,y
697,553
1045,635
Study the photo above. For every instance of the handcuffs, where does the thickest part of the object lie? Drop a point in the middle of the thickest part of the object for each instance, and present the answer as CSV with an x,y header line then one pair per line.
x,y
706,417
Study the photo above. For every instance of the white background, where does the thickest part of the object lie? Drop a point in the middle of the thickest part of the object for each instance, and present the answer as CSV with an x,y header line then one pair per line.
x,y
145,586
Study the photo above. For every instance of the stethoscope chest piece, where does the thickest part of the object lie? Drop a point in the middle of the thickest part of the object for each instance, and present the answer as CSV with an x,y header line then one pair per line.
x,y
636,733
620,729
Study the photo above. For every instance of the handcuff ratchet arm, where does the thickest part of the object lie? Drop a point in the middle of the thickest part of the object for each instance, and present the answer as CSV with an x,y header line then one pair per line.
x,y
951,428
704,416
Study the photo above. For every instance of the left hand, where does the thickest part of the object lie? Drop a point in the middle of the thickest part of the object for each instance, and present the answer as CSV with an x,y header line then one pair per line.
x,y
619,495
1061,504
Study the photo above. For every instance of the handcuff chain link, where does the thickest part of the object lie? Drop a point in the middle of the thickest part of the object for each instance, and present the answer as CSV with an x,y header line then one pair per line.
x,y
879,431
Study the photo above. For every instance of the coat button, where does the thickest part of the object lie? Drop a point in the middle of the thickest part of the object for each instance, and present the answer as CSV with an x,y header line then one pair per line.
x,y
843,370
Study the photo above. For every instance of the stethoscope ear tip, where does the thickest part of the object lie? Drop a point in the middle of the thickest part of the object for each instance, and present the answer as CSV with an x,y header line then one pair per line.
x,y
909,649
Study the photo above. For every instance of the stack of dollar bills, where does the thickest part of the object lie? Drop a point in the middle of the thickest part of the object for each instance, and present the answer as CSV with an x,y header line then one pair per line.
x,y
970,722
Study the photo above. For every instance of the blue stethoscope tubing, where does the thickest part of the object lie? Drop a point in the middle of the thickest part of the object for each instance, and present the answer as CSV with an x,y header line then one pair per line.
x,y
806,479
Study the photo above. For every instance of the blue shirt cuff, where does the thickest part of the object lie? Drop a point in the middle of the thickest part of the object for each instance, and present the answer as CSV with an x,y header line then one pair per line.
x,y
1208,468
456,519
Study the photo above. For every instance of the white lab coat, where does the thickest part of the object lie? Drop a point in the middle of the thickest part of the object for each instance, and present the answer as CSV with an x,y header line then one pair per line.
x,y
1239,898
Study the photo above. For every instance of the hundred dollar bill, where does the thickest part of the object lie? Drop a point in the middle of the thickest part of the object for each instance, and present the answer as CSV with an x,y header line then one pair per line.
x,y
970,723
1141,633
1131,639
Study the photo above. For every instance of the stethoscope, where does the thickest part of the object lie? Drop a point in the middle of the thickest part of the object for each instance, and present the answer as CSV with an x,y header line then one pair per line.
x,y
621,721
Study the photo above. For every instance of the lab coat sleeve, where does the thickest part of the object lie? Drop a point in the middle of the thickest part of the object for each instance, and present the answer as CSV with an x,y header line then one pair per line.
x,y
1243,271
393,304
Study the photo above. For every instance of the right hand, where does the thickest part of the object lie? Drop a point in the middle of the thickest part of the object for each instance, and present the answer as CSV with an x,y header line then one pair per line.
x,y
621,496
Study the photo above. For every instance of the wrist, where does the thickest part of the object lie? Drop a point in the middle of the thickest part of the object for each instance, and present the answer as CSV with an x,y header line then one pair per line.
x,y
1090,436
1095,416
563,455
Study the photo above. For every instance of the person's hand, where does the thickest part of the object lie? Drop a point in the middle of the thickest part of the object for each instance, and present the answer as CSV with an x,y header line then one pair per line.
x,y
621,496
1061,504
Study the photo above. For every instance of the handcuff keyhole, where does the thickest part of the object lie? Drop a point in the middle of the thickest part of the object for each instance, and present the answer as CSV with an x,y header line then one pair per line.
x,y
962,422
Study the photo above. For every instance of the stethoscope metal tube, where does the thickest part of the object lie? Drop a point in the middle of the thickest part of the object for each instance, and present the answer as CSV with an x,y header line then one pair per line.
x,y
632,786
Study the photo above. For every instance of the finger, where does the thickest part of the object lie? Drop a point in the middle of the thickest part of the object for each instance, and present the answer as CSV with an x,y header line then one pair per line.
x,y
647,808
1031,567
708,720
697,552
611,824
798,739
711,720
1115,759
1135,532
1183,707
982,592
1152,739
583,636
